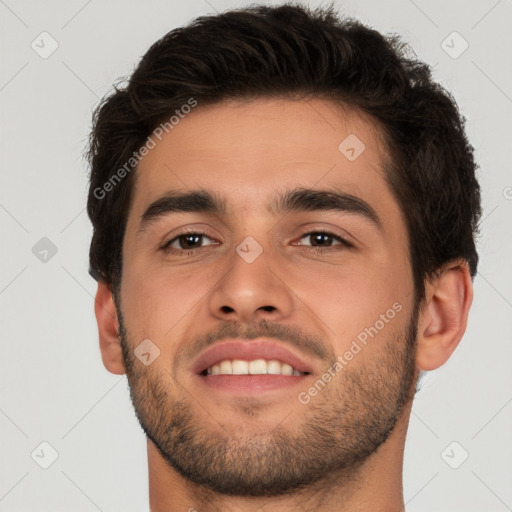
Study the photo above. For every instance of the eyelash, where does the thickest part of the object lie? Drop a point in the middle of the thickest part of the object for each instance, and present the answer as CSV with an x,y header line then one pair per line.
x,y
184,252
343,244
318,249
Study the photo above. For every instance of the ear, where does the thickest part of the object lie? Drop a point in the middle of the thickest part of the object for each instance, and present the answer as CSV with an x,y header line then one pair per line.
x,y
443,318
108,325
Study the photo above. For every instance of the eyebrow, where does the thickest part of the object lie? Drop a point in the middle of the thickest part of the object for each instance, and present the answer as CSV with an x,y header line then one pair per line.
x,y
308,200
177,202
296,200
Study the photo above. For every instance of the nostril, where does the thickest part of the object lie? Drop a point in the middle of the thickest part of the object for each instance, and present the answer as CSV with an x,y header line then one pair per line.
x,y
229,309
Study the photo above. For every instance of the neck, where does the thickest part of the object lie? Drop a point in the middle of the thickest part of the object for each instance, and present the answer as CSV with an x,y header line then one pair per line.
x,y
376,486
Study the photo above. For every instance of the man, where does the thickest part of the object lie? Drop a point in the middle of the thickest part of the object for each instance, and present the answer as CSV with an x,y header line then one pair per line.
x,y
284,209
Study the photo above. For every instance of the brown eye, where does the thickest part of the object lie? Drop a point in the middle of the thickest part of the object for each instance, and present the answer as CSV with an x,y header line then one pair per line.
x,y
188,241
320,239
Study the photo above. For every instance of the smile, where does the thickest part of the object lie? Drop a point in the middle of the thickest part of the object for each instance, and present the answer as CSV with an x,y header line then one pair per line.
x,y
254,367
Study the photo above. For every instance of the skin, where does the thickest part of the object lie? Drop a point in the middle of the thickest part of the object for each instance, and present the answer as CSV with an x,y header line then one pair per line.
x,y
347,442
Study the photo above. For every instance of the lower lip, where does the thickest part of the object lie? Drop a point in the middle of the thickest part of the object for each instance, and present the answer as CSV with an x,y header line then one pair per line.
x,y
248,384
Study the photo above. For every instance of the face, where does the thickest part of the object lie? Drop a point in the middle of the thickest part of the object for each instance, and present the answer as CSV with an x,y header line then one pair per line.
x,y
259,232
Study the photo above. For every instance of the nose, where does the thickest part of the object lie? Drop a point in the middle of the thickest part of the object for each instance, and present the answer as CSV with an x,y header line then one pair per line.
x,y
251,291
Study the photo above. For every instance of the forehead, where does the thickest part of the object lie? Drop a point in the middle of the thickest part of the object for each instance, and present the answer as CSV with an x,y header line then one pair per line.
x,y
247,151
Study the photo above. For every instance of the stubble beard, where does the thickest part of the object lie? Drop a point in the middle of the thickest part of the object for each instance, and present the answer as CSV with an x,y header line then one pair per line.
x,y
332,436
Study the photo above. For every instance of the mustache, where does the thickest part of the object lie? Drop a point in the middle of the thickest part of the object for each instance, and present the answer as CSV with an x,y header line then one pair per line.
x,y
308,344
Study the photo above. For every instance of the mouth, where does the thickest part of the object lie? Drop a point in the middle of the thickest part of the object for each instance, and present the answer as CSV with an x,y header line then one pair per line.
x,y
254,367
250,366
249,384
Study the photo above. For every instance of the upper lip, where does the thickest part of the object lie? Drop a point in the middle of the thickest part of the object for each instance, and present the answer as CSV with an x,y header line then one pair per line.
x,y
249,350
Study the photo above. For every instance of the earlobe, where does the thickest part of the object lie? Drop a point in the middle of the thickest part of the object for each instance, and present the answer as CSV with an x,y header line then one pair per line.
x,y
443,319
108,326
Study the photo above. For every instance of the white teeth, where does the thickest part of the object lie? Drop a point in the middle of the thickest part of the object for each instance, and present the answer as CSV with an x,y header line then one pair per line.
x,y
240,367
258,367
286,369
274,368
255,367
225,367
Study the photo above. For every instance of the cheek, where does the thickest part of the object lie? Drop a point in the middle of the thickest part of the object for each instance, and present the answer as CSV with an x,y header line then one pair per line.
x,y
366,300
155,301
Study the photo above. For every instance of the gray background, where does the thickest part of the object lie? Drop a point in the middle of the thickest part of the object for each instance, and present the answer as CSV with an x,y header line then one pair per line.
x,y
54,386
